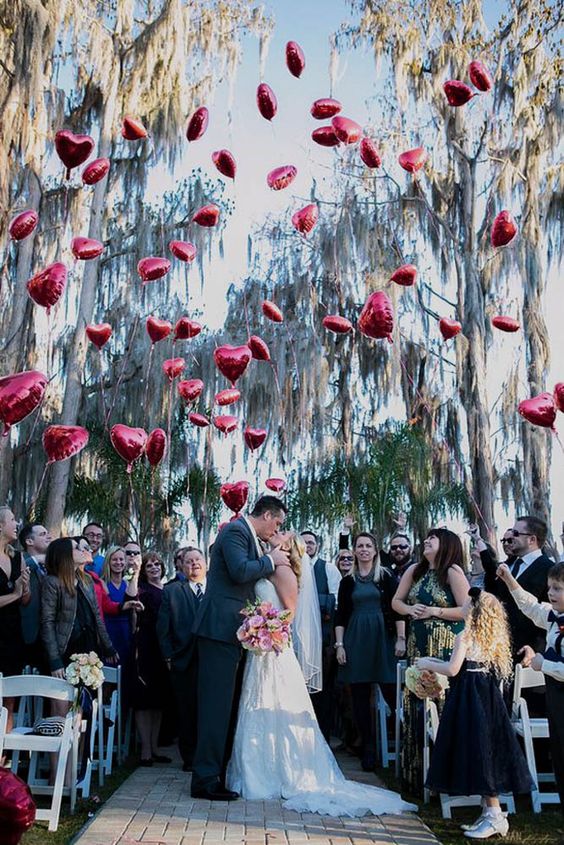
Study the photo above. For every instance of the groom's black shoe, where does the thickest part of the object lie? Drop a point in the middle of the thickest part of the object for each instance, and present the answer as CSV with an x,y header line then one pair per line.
x,y
214,792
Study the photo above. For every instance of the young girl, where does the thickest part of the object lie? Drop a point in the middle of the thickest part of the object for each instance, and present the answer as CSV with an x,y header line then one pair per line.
x,y
476,751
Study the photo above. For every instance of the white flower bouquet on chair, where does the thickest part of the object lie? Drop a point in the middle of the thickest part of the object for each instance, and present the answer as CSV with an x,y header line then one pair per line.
x,y
85,671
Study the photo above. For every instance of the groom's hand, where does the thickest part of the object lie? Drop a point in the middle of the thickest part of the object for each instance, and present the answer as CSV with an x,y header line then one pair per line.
x,y
280,557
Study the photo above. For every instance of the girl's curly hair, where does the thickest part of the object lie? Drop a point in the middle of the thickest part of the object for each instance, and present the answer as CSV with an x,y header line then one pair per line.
x,y
487,631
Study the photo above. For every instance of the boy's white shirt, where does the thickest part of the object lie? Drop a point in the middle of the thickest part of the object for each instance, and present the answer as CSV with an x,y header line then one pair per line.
x,y
538,613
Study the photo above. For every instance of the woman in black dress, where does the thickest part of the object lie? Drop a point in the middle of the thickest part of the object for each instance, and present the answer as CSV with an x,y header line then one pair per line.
x,y
14,589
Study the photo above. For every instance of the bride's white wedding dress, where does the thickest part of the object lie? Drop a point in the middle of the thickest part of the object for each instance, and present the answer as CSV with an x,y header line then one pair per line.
x,y
279,750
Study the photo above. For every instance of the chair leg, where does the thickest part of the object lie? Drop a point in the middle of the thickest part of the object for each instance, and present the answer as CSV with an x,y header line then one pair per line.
x,y
59,782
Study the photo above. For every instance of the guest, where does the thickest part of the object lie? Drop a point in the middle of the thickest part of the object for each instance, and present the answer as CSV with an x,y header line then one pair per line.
x,y
477,576
152,686
344,562
476,751
14,588
179,566
94,533
400,554
34,539
431,593
106,605
364,631
120,625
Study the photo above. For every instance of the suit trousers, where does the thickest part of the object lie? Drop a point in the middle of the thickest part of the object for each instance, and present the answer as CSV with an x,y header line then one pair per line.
x,y
555,710
185,685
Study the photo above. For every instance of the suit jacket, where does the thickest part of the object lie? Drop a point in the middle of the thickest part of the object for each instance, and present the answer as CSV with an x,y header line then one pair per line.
x,y
234,569
533,580
175,621
30,613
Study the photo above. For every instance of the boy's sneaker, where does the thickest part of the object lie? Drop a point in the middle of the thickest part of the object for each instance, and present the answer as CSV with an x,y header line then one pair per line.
x,y
489,826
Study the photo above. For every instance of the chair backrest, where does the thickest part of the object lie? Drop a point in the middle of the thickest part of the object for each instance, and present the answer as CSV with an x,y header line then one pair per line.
x,y
14,686
525,677
111,674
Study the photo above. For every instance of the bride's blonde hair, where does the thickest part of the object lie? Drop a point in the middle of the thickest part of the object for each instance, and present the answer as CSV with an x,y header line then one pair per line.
x,y
487,633
297,551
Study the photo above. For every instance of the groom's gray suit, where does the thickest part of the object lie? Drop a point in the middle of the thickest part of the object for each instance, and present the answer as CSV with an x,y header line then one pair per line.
x,y
236,564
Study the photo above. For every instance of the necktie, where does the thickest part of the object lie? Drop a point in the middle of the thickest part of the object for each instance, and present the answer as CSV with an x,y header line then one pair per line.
x,y
516,567
199,592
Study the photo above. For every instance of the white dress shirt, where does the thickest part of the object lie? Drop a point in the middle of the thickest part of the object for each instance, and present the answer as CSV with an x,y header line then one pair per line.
x,y
333,577
193,586
538,612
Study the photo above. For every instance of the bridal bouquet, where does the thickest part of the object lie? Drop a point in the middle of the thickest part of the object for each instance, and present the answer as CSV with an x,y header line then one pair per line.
x,y
85,671
425,684
265,628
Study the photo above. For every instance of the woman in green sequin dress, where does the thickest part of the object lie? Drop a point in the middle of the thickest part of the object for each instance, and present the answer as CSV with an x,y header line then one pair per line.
x,y
431,593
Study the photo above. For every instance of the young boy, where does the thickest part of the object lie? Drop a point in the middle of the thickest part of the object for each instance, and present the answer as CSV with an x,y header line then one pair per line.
x,y
551,663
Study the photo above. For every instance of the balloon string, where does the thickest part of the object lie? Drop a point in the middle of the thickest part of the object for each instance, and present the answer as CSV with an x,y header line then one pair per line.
x,y
148,377
207,456
35,421
31,509
123,366
472,498
278,389
296,367
134,508
102,390
169,430
557,436
246,312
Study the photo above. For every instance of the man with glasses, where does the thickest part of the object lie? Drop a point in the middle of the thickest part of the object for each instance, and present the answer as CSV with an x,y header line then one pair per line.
x,y
34,539
94,533
400,555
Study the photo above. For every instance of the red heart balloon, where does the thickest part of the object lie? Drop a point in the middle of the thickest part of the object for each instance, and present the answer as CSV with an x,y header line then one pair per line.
x,y
198,124
346,130
272,311
63,441
98,334
413,160
17,807
207,216
95,171
281,177
227,396
295,59
20,394
254,437
506,324
305,219
259,349
539,410
325,137
369,153
266,101
173,367
157,329
225,163
23,224
449,328
275,484
404,275
152,268
73,150
559,396
186,328
480,76
377,317
336,323
198,419
86,248
132,129
226,424
232,361
457,93
183,250
235,495
325,108
504,229
47,286
128,442
190,389
156,446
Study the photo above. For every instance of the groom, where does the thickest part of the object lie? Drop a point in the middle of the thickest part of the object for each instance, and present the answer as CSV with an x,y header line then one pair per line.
x,y
238,560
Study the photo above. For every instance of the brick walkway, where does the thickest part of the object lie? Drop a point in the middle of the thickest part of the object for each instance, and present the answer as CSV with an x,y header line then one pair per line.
x,y
153,807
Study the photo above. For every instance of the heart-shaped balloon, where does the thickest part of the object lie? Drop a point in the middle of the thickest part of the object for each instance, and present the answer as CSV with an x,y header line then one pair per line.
x,y
225,163
132,129
128,442
377,317
95,171
259,349
413,160
295,59
63,441
17,807
272,311
186,328
20,394
190,389
266,101
506,324
158,329
504,229
457,93
225,423
84,249
227,396
232,361
183,250
98,333
404,275
235,495
155,446
153,267
254,437
347,131
73,150
281,177
23,224
47,286
559,395
449,328
198,419
369,153
198,124
325,109
480,76
173,367
336,323
207,216
305,219
275,484
325,137
539,410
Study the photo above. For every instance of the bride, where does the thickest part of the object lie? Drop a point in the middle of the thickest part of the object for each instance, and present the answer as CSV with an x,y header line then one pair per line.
x,y
279,750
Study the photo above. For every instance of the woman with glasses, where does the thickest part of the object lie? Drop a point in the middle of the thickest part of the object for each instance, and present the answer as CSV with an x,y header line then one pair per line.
x,y
344,562
432,594
121,590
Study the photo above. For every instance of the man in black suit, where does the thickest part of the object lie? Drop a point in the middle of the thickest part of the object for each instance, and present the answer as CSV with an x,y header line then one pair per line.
x,y
34,540
181,599
238,560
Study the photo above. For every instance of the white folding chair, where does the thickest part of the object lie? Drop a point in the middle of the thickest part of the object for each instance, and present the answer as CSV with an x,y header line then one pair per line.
x,y
400,683
382,713
20,739
3,723
111,716
531,729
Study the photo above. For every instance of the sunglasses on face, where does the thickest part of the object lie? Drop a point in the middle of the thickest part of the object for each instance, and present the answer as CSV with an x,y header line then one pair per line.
x,y
401,548
132,552
346,557
507,539
521,533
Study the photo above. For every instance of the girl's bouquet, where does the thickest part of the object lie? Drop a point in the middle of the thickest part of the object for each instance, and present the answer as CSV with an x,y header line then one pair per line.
x,y
85,671
265,628
425,684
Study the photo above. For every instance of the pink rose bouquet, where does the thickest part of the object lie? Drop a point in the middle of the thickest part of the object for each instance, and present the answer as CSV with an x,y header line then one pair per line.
x,y
265,628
